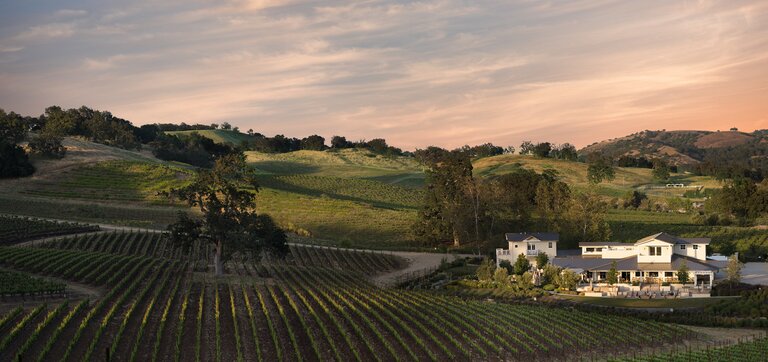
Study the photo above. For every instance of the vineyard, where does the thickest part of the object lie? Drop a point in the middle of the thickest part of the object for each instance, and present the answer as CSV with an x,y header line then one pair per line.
x,y
115,214
747,351
315,305
199,256
14,229
14,284
113,181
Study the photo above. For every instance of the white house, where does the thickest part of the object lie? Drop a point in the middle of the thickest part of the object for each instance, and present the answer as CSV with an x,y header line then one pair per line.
x,y
652,259
528,244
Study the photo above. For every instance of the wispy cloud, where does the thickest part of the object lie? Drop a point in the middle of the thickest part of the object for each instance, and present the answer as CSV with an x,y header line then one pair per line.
x,y
444,72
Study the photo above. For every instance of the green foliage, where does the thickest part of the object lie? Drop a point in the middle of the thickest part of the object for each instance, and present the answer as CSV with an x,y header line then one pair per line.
x,y
567,280
191,148
14,162
507,265
13,283
733,270
600,169
12,127
48,144
485,270
501,277
521,265
587,218
97,126
446,213
115,180
541,260
225,196
526,280
613,274
682,273
660,170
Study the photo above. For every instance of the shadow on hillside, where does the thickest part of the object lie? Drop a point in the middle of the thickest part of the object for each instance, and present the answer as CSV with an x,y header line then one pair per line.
x,y
275,183
285,167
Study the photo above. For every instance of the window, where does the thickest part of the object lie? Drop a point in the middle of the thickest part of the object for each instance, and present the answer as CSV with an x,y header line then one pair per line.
x,y
653,274
550,245
602,275
682,247
599,249
638,274
668,274
654,250
531,246
590,250
695,247
515,246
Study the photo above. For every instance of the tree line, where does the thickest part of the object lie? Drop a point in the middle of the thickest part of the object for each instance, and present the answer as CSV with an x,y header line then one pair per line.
x,y
459,207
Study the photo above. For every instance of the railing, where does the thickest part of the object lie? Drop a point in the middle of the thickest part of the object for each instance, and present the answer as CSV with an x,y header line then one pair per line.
x,y
531,252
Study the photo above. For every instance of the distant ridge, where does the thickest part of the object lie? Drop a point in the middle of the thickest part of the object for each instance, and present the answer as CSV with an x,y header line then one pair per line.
x,y
684,147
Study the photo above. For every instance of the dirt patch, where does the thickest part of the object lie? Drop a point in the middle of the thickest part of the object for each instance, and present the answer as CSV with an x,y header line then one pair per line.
x,y
723,139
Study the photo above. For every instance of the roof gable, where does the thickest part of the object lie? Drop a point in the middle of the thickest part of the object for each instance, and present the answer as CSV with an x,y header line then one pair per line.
x,y
535,236
671,239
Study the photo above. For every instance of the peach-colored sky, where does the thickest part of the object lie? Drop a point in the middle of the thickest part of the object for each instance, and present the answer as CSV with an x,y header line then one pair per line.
x,y
443,72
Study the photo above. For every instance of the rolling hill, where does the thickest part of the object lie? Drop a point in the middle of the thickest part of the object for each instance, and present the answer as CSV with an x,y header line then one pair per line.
x,y
678,147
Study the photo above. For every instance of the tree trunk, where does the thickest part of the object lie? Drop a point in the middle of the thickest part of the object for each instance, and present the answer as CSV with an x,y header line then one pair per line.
x,y
219,264
456,240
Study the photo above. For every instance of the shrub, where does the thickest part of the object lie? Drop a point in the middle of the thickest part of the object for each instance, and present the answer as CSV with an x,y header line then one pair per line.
x,y
14,162
48,145
549,287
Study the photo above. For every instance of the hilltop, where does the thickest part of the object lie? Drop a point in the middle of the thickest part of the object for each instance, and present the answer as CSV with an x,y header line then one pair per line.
x,y
218,135
677,147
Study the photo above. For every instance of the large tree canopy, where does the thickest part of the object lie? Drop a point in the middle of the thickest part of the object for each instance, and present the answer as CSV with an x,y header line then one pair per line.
x,y
226,197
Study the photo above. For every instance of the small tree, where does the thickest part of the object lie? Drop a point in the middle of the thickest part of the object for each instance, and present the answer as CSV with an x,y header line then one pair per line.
x,y
541,260
508,265
567,280
485,271
682,273
501,277
521,266
526,280
550,274
613,274
734,269
600,169
660,170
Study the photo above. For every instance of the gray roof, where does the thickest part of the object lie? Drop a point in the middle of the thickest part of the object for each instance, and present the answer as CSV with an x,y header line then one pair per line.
x,y
630,263
525,235
673,239
596,243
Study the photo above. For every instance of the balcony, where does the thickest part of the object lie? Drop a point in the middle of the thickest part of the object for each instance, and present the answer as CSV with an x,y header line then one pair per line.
x,y
531,252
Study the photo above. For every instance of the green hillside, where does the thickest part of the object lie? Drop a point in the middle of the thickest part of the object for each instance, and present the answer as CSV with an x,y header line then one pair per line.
x,y
575,174
348,197
218,135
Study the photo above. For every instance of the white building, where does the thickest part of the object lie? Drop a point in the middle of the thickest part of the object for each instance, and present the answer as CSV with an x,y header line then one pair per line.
x,y
528,244
652,259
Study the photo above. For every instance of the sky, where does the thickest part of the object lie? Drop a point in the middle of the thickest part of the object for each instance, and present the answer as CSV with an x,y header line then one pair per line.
x,y
418,73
